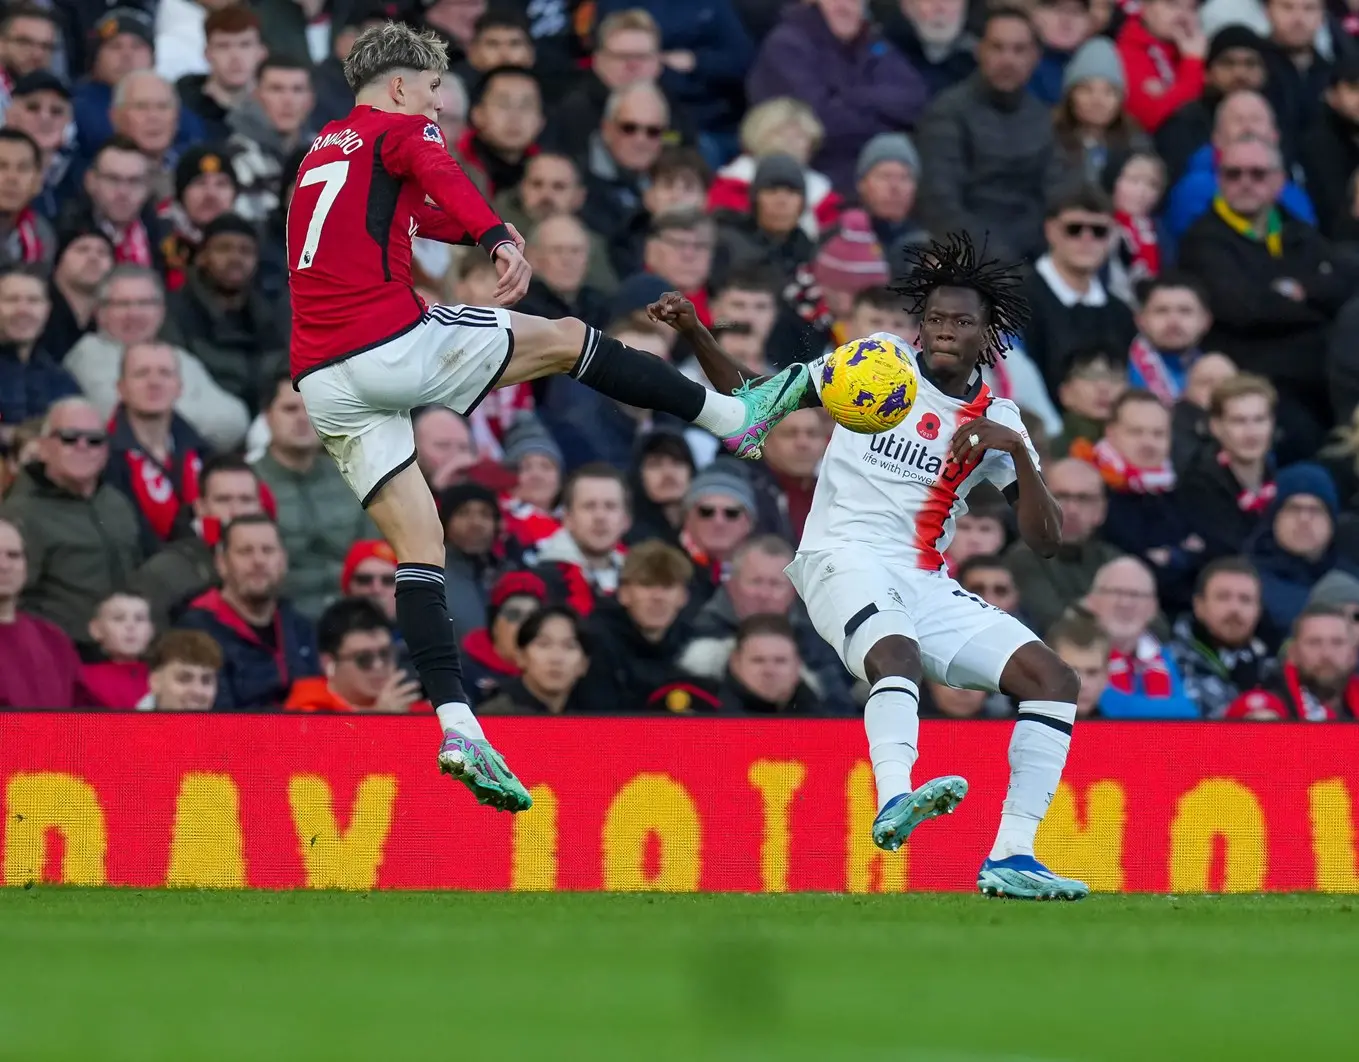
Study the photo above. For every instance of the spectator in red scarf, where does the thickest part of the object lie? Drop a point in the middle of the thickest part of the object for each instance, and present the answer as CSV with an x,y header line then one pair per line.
x,y
118,200
205,188
1091,383
1317,683
536,460
30,378
40,106
679,250
1144,682
490,654
359,666
1145,517
122,631
506,118
26,238
581,562
1226,494
155,455
1171,324
39,667
227,489
1162,48
719,514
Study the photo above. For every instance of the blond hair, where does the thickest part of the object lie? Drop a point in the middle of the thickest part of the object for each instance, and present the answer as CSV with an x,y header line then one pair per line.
x,y
762,125
1239,386
380,50
634,18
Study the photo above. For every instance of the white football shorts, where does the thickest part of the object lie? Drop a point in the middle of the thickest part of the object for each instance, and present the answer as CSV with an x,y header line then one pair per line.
x,y
361,405
855,599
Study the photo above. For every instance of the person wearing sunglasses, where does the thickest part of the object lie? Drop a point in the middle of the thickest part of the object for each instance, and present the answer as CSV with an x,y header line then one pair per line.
x,y
719,514
1071,308
358,663
60,501
1274,287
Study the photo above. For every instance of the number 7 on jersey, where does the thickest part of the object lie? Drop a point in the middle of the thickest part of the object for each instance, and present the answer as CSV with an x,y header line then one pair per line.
x,y
332,176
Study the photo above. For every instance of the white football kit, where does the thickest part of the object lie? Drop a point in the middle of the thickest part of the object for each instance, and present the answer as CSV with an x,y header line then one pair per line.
x,y
871,564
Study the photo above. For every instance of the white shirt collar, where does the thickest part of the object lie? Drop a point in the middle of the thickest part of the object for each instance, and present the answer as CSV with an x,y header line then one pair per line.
x,y
1095,295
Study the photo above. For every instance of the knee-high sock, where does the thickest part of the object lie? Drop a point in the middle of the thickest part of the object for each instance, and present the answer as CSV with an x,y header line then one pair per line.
x,y
1038,749
892,721
636,378
422,615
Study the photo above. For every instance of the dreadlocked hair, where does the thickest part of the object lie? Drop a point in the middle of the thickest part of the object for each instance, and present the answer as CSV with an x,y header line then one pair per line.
x,y
955,263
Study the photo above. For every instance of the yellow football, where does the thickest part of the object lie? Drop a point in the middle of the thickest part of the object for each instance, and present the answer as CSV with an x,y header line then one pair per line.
x,y
868,385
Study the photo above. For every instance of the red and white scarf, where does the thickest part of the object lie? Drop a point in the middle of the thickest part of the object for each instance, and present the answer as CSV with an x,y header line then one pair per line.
x,y
1163,58
1126,478
160,492
1250,501
1139,250
1147,663
1151,364
25,241
132,246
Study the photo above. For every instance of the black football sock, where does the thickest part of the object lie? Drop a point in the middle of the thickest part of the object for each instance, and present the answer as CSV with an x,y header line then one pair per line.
x,y
636,378
422,615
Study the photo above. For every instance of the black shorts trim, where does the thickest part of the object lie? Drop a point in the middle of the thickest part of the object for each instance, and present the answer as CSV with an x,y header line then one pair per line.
x,y
354,353
490,384
367,501
859,619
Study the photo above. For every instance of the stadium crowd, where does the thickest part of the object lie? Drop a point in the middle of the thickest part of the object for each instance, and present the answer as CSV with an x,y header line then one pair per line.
x,y
1181,179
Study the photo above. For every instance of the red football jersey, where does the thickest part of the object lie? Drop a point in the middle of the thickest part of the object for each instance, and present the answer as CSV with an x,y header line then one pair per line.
x,y
370,183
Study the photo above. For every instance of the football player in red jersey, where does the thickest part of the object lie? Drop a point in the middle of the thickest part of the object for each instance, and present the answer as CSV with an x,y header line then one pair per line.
x,y
366,349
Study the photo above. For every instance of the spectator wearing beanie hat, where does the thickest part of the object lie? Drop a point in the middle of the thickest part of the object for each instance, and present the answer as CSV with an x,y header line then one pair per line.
x,y
1236,61
205,188
471,516
1094,132
118,44
719,514
886,176
536,460
40,105
1295,546
369,571
84,258
489,653
849,262
220,318
770,233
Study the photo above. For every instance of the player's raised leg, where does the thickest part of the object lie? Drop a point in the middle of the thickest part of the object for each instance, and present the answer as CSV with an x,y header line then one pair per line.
x,y
856,607
404,512
1046,690
892,723
635,378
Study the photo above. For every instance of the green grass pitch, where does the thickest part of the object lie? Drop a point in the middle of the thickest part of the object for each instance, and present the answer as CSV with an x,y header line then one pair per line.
x,y
123,976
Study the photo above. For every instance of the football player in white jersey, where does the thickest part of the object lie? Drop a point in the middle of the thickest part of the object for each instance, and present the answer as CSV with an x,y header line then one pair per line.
x,y
870,566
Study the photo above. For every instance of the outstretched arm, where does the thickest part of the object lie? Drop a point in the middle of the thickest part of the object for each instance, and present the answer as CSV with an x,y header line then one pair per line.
x,y
1036,511
724,372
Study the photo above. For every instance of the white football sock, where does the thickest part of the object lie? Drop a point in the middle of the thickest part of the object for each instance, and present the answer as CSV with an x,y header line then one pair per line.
x,y
1038,749
892,721
458,716
722,415
814,370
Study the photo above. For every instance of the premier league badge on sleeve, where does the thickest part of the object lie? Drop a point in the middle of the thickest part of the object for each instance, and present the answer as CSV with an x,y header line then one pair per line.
x,y
433,134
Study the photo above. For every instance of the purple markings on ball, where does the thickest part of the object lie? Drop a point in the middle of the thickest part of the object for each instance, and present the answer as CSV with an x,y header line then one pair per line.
x,y
894,402
863,398
827,373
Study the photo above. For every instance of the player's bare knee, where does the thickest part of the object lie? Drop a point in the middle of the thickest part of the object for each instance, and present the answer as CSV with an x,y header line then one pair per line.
x,y
1036,673
895,655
